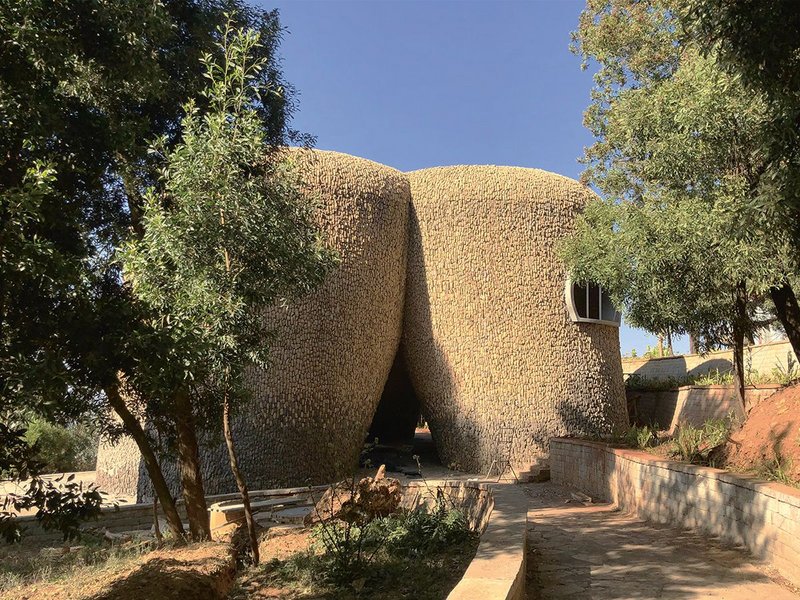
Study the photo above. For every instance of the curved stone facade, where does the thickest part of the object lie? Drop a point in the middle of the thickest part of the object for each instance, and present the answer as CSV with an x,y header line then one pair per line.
x,y
497,364
310,411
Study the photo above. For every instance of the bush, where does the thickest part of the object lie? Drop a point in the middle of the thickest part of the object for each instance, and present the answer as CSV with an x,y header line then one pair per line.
x,y
640,437
695,444
349,548
63,448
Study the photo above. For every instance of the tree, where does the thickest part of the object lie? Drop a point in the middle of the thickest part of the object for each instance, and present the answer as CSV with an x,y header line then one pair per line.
x,y
227,233
759,40
677,240
84,89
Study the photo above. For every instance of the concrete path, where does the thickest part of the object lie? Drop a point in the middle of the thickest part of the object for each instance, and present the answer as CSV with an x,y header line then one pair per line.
x,y
593,552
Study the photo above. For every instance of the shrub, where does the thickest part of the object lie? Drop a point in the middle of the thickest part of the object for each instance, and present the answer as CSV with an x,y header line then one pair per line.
x,y
63,448
640,437
694,444
349,548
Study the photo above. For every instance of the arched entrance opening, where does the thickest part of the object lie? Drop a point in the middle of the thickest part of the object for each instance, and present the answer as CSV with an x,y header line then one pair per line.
x,y
399,425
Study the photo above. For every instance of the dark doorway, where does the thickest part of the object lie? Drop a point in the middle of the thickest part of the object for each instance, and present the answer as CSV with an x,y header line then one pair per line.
x,y
398,410
397,425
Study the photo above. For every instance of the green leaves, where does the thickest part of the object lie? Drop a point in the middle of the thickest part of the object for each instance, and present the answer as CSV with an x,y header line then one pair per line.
x,y
678,161
227,232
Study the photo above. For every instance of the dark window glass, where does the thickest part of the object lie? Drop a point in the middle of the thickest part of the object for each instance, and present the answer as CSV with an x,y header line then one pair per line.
x,y
608,311
579,296
594,301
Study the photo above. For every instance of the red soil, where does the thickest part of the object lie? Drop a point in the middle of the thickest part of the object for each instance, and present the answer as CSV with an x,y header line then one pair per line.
x,y
770,437
200,572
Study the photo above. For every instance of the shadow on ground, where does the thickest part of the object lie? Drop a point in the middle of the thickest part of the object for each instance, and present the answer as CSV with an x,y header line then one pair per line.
x,y
594,552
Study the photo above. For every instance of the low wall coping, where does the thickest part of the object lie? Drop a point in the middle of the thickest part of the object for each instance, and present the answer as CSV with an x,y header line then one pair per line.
x,y
716,386
772,489
498,570
750,347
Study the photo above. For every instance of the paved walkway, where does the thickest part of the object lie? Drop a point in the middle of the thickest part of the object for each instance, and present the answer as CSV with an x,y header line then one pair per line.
x,y
592,552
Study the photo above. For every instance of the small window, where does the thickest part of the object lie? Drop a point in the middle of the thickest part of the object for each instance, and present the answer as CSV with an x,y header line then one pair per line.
x,y
590,304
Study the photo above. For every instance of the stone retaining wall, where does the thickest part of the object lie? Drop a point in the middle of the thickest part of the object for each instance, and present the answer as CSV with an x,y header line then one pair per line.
x,y
692,404
764,517
761,358
498,570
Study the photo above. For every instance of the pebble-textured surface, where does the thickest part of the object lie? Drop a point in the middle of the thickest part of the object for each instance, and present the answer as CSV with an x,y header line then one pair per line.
x,y
498,366
495,362
311,409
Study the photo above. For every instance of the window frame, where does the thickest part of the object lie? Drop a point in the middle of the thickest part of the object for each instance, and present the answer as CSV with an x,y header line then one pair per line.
x,y
573,311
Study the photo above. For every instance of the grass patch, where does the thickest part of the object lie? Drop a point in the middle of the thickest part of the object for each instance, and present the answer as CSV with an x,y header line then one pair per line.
x,y
22,565
389,576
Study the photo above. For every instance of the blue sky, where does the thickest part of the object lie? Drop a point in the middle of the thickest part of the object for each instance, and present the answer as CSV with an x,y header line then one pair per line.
x,y
415,84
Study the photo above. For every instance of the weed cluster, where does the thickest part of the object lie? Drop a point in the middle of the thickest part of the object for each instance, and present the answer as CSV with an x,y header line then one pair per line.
x,y
347,549
640,437
696,444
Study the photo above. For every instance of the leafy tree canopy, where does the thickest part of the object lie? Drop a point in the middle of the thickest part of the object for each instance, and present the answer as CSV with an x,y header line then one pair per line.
x,y
689,233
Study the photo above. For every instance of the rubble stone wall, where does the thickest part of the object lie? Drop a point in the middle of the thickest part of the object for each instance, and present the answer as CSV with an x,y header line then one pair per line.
x,y
493,356
495,362
311,408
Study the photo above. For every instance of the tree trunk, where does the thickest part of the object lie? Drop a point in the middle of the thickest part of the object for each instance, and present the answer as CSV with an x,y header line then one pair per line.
x,y
788,313
156,524
189,467
660,345
134,428
240,482
692,344
739,321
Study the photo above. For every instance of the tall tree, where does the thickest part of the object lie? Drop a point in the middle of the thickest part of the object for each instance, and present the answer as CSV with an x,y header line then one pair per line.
x,y
227,233
677,239
84,89
759,40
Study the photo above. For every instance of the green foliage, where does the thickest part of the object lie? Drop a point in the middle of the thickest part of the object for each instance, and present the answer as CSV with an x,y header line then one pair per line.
x,y
677,237
84,89
641,437
651,352
63,448
788,374
59,504
759,41
428,576
695,444
227,233
420,532
349,549
778,469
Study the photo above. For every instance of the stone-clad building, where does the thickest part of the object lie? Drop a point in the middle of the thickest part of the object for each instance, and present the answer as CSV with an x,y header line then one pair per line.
x,y
450,279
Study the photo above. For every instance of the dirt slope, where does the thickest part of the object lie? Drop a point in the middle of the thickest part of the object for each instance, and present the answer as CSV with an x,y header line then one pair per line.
x,y
770,438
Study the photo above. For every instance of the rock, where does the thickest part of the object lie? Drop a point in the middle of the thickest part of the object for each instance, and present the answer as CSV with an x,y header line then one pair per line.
x,y
368,499
581,497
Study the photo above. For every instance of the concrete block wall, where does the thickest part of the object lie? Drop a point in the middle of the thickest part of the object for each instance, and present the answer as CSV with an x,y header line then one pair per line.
x,y
692,404
498,570
762,358
762,516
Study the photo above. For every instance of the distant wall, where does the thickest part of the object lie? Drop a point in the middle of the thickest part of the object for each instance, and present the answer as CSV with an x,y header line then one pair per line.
x,y
763,517
762,359
692,404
